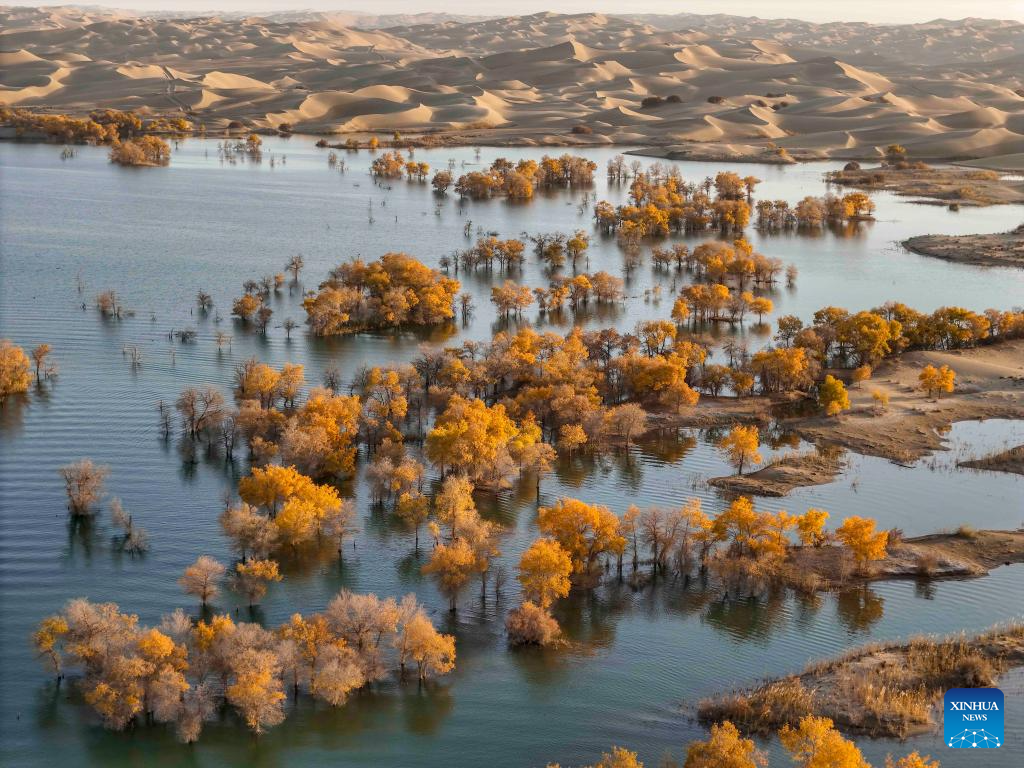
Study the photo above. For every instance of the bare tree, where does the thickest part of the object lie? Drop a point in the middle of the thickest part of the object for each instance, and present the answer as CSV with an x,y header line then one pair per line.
x,y
332,379
200,408
295,265
200,578
83,482
204,301
44,367
223,338
227,431
263,315
165,417
135,540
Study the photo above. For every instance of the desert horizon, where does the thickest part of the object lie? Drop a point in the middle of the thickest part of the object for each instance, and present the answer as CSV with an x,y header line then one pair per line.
x,y
715,86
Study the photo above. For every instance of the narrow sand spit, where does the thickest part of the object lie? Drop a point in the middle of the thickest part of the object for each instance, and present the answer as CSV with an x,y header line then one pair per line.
x,y
796,470
1010,460
882,690
1004,249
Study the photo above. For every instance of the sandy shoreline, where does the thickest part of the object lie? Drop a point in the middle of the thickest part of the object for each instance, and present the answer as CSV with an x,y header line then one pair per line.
x,y
955,186
1004,249
1010,460
989,385
881,690
962,554
784,474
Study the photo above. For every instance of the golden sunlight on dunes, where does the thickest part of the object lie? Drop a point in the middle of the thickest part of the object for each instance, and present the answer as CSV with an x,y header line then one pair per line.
x,y
946,90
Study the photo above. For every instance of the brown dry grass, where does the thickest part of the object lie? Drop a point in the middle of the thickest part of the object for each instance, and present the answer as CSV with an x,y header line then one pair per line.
x,y
880,689
762,710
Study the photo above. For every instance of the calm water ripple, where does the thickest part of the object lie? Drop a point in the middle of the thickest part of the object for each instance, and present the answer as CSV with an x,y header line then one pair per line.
x,y
640,661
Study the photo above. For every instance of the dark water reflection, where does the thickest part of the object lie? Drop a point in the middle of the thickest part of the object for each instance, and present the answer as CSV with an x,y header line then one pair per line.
x,y
639,659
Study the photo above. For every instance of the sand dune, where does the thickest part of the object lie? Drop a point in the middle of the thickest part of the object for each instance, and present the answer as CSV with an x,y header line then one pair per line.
x,y
225,81
14,58
943,89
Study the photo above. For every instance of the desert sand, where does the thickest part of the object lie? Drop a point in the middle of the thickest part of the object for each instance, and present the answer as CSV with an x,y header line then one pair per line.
x,y
939,555
778,478
953,186
989,384
742,88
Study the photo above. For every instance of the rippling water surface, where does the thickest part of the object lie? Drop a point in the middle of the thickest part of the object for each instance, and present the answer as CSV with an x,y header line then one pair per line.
x,y
640,661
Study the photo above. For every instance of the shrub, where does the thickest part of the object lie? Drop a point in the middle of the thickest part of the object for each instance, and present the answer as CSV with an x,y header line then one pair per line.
x,y
763,709
583,129
716,99
145,150
529,624
927,564
966,532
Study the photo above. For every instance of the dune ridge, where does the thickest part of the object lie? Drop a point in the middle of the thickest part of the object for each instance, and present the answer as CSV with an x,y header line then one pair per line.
x,y
740,87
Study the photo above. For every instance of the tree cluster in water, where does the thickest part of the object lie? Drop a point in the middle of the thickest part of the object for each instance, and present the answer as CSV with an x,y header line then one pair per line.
x,y
184,671
502,410
392,291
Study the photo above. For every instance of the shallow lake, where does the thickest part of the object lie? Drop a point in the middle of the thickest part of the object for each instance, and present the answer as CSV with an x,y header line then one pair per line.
x,y
641,660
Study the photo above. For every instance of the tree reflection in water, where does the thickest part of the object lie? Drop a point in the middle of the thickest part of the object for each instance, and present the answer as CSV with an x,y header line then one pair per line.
x,y
859,609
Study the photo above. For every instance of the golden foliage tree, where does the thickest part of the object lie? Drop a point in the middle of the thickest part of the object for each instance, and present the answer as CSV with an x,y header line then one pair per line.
x,y
141,151
432,651
936,380
619,757
724,748
252,578
14,370
544,571
740,446
413,509
861,538
584,531
393,291
319,438
47,638
453,565
473,438
256,690
914,760
832,396
299,509
815,743
810,527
